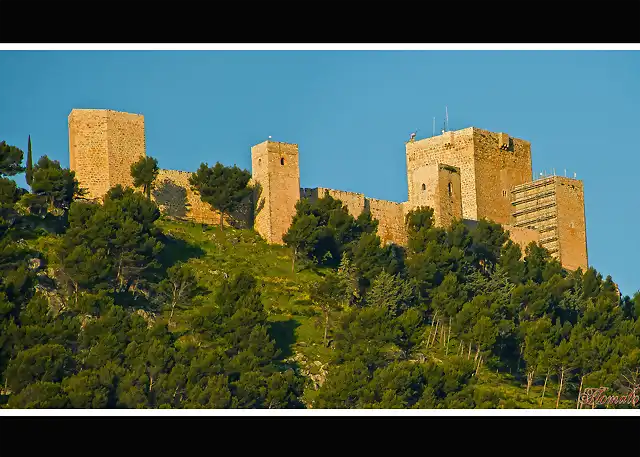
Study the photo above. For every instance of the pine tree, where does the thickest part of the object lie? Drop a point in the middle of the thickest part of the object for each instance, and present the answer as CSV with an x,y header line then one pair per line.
x,y
29,174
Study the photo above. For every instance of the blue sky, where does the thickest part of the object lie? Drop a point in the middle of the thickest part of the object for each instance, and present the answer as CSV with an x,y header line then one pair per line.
x,y
350,113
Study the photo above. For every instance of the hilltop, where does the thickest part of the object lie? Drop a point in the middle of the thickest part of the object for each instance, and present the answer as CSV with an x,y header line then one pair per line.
x,y
110,304
295,322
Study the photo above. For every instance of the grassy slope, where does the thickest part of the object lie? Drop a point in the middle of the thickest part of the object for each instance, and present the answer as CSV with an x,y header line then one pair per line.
x,y
214,254
284,293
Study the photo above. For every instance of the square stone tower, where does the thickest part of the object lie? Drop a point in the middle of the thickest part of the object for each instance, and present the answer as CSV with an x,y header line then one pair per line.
x,y
103,144
439,187
554,206
275,167
490,164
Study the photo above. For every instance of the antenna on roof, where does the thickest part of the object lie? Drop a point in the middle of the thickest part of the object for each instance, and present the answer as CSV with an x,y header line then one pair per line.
x,y
574,175
565,172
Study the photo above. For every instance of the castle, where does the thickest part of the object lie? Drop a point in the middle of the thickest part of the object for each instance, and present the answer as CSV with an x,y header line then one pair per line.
x,y
469,174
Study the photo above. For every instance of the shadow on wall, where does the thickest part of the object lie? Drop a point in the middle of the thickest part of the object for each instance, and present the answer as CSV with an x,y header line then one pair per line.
x,y
257,203
172,199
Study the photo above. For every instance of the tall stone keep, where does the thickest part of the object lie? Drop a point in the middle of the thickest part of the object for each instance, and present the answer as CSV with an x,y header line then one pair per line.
x,y
490,164
276,169
554,206
437,186
102,146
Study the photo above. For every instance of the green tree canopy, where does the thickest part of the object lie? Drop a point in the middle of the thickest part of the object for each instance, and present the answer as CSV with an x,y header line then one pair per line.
x,y
10,159
57,185
222,188
144,173
29,170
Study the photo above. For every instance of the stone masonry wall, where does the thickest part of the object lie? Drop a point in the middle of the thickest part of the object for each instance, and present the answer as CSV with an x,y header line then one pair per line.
x,y
534,206
175,198
354,202
522,236
453,148
391,215
572,230
260,177
492,180
438,187
275,167
449,195
103,144
490,165
126,145
88,150
501,162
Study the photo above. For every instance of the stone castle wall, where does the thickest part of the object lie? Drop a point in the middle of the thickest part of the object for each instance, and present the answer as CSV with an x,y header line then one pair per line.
x,y
469,174
175,198
439,187
490,165
103,144
522,236
554,207
126,143
391,218
275,167
501,162
535,207
452,148
88,150
572,231
355,202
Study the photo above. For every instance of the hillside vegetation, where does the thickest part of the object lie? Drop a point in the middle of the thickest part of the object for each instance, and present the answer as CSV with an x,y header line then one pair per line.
x,y
113,306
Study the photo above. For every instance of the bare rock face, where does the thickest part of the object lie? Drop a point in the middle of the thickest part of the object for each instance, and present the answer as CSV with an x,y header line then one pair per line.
x,y
315,370
148,317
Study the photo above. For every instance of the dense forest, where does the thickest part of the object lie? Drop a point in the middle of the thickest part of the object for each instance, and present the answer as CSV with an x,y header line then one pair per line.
x,y
113,305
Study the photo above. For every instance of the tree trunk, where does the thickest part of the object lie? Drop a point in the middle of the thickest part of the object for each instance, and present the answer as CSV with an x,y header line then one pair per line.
x,y
478,366
530,375
469,353
544,388
448,337
435,334
560,388
326,327
519,358
579,402
477,353
173,307
431,329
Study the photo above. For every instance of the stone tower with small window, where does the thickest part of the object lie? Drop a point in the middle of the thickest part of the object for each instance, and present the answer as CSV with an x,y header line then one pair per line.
x,y
103,144
437,186
275,168
490,164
